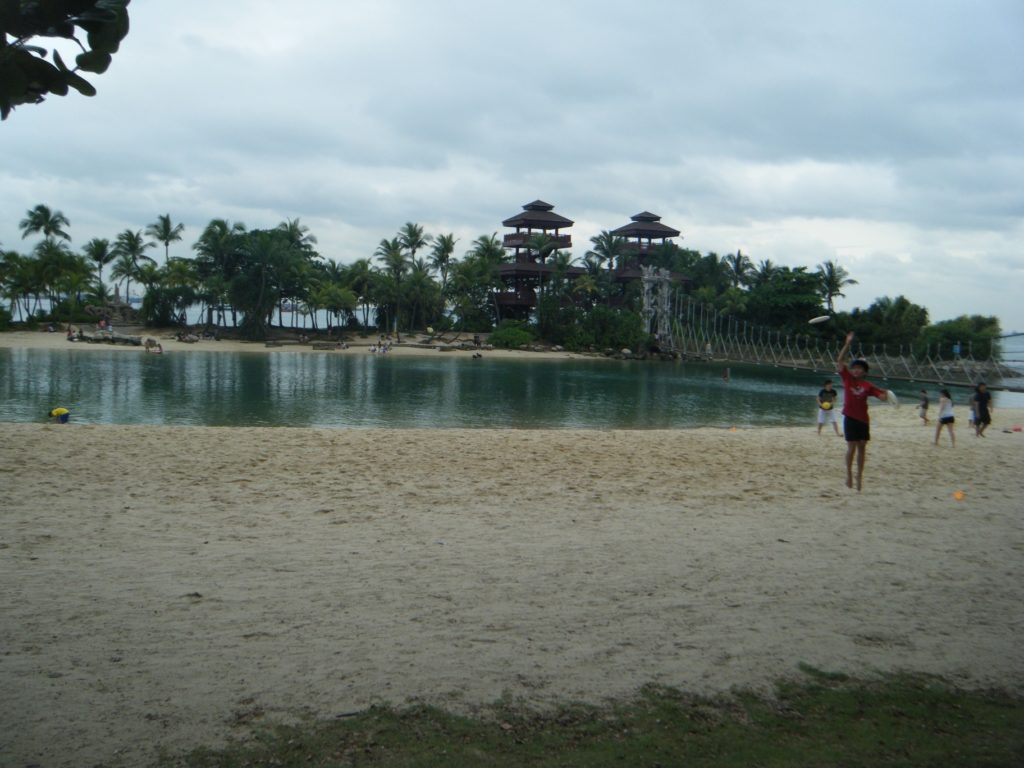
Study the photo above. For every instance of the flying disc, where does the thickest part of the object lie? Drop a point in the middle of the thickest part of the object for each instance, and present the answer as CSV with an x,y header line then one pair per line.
x,y
892,398
819,319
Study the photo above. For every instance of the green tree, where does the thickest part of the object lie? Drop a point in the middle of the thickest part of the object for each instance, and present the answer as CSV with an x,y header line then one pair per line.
x,y
766,269
441,257
974,335
99,252
218,258
297,234
359,279
607,249
785,300
395,264
130,252
26,76
832,278
42,220
412,238
255,289
888,323
164,231
738,267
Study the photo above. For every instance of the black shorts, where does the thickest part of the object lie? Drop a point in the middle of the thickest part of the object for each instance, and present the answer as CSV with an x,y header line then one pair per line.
x,y
983,418
855,430
947,420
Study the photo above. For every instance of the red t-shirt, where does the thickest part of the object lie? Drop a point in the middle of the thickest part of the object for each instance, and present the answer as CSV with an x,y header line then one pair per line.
x,y
855,395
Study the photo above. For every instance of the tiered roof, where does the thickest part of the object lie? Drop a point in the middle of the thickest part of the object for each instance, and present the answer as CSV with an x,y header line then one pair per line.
x,y
538,215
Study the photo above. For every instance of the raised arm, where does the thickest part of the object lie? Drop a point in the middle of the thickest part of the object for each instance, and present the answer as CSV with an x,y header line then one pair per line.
x,y
841,358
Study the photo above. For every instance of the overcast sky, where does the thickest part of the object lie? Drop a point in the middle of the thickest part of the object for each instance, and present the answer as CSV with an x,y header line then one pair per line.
x,y
888,136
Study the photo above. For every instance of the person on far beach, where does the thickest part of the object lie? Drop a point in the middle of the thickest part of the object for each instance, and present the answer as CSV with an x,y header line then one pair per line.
x,y
826,407
60,415
982,409
856,391
946,418
922,407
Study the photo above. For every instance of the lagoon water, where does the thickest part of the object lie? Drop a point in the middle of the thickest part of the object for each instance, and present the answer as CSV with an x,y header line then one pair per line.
x,y
300,389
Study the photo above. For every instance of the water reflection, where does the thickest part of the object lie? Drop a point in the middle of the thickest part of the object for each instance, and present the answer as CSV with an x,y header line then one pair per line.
x,y
294,389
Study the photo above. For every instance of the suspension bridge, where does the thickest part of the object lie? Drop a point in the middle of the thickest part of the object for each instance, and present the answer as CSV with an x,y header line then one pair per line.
x,y
696,331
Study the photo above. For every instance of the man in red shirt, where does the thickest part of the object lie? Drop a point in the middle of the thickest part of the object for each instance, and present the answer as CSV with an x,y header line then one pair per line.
x,y
856,391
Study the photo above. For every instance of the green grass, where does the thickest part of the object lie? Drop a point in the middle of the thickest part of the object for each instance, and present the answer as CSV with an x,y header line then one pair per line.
x,y
826,720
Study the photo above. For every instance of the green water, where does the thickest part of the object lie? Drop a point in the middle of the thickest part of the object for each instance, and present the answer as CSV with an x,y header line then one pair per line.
x,y
300,390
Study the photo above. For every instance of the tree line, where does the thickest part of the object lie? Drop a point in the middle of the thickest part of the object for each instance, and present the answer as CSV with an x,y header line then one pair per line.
x,y
254,280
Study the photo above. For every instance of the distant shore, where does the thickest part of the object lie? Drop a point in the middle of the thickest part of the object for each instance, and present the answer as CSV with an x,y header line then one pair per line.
x,y
411,344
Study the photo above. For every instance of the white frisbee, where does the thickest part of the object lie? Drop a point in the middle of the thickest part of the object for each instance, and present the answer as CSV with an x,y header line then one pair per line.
x,y
892,398
819,319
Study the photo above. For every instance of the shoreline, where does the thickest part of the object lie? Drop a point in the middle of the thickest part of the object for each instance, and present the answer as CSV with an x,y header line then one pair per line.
x,y
44,340
195,580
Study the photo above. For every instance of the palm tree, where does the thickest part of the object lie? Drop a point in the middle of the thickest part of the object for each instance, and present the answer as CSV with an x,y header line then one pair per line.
x,y
424,295
391,253
42,219
130,251
359,279
411,238
739,267
607,248
99,252
218,252
441,257
298,234
832,278
163,230
488,248
765,271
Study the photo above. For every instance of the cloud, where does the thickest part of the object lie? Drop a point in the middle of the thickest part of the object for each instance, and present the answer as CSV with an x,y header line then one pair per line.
x,y
883,135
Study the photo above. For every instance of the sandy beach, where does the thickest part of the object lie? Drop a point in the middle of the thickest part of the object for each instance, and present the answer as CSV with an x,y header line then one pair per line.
x,y
411,345
165,587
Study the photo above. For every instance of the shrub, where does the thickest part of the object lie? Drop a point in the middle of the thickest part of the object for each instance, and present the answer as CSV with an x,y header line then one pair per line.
x,y
511,334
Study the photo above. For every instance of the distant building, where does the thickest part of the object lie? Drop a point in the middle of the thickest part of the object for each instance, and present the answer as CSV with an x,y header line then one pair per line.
x,y
538,224
529,270
644,235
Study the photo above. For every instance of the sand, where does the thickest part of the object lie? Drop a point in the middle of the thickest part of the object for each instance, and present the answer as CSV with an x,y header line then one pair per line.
x,y
165,587
412,345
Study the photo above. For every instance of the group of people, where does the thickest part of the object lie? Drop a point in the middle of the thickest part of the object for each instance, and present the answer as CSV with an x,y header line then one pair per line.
x,y
856,428
979,416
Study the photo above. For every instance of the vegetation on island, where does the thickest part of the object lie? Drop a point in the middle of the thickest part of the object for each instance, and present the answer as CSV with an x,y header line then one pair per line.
x,y
27,76
255,280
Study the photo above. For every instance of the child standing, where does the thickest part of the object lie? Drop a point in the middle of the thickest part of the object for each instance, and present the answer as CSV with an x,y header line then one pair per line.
x,y
922,407
826,407
856,391
946,418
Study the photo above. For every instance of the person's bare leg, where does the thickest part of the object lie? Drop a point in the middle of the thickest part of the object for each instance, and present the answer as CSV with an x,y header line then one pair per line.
x,y
938,432
981,429
850,447
819,427
861,446
952,435
835,426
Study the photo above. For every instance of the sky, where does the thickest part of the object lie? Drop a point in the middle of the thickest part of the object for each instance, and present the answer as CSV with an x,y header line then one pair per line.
x,y
885,136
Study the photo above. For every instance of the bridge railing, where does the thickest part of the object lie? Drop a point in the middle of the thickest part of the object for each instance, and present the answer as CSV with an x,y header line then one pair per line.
x,y
699,331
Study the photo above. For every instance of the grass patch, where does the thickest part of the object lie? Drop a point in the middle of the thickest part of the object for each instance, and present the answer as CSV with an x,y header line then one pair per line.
x,y
828,720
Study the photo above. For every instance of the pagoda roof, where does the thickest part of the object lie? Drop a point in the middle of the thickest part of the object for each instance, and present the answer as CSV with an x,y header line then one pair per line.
x,y
646,224
538,215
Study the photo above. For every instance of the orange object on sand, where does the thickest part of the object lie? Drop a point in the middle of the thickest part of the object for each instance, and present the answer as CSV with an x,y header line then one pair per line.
x,y
958,495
